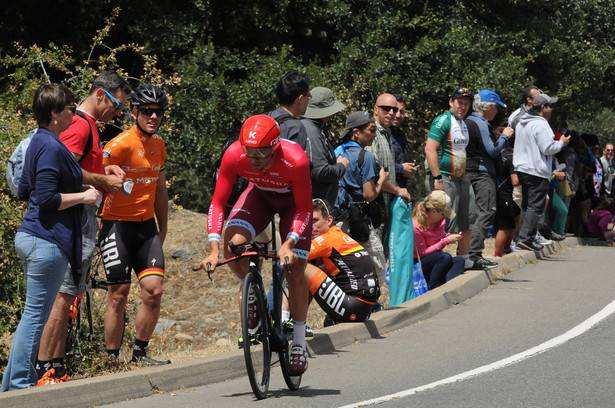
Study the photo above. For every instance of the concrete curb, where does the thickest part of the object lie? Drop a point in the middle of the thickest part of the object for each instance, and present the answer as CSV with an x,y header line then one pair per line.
x,y
112,388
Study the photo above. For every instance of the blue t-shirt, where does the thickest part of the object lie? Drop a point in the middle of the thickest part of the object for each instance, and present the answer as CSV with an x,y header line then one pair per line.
x,y
351,186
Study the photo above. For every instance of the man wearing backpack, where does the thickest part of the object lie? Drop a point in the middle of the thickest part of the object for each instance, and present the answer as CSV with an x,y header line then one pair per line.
x,y
293,92
105,102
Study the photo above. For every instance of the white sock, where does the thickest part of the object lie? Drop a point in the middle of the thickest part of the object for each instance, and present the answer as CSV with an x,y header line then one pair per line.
x,y
285,316
299,334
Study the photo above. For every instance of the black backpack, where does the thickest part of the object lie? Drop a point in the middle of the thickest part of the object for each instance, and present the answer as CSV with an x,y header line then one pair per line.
x,y
240,183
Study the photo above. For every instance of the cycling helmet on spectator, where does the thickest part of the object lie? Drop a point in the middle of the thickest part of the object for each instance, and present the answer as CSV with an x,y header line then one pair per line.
x,y
149,94
259,133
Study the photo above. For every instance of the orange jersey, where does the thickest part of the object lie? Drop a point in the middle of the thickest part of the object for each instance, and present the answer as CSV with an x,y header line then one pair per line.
x,y
142,158
347,263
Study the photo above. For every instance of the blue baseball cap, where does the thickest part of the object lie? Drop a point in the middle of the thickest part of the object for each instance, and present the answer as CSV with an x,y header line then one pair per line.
x,y
487,95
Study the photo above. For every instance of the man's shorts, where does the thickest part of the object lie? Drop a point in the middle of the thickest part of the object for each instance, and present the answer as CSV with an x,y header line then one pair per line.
x,y
255,208
506,212
127,245
340,306
459,189
90,226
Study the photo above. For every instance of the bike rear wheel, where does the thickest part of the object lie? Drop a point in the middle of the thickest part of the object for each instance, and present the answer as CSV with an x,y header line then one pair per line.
x,y
293,382
255,334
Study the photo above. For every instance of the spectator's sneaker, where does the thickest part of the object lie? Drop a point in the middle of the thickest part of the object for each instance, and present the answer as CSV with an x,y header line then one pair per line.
x,y
482,263
557,237
50,378
540,240
297,363
531,246
255,338
148,360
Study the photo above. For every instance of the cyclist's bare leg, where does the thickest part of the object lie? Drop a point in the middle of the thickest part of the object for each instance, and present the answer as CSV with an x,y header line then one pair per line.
x,y
298,290
149,310
53,340
114,316
237,235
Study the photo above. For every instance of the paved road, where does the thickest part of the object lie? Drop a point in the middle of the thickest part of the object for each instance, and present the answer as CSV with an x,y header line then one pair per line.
x,y
528,308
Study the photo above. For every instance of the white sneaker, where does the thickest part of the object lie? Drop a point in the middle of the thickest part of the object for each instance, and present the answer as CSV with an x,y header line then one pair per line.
x,y
542,240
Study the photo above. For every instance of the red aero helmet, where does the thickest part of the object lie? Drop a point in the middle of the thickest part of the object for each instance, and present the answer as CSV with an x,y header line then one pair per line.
x,y
259,131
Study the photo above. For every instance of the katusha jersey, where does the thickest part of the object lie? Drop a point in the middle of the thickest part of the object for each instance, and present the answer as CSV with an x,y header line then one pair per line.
x,y
142,158
289,176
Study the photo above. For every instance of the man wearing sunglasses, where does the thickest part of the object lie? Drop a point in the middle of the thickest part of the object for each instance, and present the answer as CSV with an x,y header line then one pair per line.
x,y
279,174
134,223
445,156
82,138
382,148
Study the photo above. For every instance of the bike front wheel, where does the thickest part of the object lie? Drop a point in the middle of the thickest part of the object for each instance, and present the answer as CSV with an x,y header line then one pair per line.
x,y
255,330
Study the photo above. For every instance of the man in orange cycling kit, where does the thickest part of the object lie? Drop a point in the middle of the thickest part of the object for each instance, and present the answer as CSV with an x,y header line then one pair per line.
x,y
134,223
279,174
341,274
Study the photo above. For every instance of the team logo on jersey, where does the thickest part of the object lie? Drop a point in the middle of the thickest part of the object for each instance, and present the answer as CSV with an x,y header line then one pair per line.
x,y
107,153
141,153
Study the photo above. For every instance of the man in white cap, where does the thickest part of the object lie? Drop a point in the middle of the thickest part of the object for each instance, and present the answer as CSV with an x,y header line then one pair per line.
x,y
325,169
535,146
483,147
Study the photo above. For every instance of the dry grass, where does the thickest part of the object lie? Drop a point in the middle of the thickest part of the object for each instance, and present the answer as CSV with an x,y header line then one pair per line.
x,y
205,313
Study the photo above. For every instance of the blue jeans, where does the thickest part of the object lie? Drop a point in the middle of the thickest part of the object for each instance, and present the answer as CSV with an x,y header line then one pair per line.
x,y
441,267
44,265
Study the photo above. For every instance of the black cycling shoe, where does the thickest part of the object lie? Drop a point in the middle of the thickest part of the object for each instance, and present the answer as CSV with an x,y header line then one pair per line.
x,y
148,360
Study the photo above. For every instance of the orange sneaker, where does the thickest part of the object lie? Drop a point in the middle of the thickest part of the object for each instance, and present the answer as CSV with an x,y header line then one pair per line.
x,y
50,378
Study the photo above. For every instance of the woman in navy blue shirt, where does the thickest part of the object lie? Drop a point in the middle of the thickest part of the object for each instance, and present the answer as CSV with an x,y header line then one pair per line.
x,y
50,235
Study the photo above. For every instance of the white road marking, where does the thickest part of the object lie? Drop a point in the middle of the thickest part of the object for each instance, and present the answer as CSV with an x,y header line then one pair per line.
x,y
555,342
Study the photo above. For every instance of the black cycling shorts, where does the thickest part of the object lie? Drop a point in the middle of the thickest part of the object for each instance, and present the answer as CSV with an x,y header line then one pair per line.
x,y
340,306
127,245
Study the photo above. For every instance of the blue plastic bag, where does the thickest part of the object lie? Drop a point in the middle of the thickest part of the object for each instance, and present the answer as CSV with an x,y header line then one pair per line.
x,y
419,285
401,247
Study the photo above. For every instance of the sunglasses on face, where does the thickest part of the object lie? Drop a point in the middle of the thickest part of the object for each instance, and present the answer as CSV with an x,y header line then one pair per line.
x,y
258,153
388,108
72,108
150,111
118,105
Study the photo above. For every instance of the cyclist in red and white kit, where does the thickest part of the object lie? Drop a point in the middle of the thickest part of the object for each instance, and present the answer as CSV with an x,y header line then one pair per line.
x,y
279,174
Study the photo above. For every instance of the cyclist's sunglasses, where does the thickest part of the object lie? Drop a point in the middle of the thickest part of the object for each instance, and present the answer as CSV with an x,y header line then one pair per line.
x,y
325,210
258,152
150,111
118,105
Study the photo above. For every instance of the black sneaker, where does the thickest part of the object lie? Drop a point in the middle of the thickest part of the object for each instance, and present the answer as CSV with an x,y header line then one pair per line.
x,y
148,360
531,246
482,263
